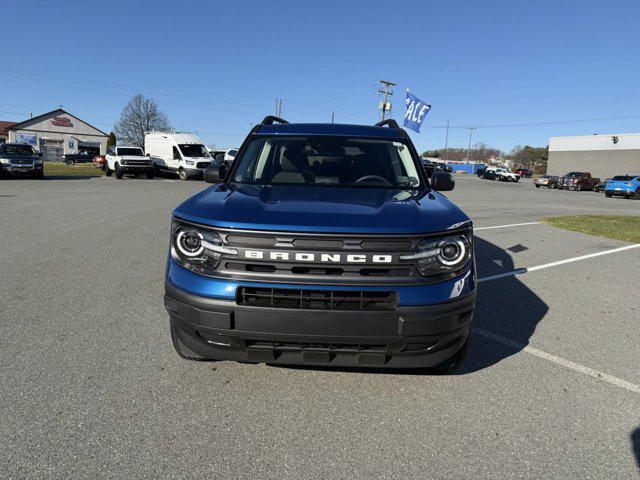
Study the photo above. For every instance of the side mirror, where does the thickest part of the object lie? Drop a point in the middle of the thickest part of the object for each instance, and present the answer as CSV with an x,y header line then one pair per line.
x,y
222,171
442,181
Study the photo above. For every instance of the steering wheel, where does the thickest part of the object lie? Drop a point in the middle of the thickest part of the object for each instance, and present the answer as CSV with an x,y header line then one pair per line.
x,y
375,178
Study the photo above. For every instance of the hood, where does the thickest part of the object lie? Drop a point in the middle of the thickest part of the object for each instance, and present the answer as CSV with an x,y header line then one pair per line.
x,y
321,209
135,157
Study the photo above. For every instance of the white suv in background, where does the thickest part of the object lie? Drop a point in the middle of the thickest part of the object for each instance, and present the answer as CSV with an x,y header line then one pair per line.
x,y
129,160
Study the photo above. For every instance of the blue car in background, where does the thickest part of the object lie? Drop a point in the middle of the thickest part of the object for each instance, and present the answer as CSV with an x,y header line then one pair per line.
x,y
625,185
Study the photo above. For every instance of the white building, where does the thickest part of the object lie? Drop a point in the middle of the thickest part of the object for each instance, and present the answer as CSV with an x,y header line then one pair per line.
x,y
602,155
57,133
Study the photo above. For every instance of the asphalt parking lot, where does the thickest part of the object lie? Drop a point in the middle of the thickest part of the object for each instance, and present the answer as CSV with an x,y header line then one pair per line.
x,y
91,385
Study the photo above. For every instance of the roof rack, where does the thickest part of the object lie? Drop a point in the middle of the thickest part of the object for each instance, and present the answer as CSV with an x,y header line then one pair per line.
x,y
270,120
389,122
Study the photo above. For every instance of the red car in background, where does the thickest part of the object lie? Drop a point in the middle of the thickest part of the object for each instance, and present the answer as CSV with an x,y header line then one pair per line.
x,y
524,172
98,161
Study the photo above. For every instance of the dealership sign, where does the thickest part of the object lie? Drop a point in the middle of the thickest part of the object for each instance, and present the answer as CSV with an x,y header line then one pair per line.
x,y
61,122
416,111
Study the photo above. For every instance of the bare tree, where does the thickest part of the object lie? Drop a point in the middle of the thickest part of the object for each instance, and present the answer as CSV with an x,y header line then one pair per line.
x,y
140,115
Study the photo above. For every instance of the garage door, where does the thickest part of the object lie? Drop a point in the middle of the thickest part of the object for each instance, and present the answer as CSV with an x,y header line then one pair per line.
x,y
52,150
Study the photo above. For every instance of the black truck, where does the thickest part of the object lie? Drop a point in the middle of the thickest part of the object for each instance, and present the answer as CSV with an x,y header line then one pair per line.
x,y
20,158
83,156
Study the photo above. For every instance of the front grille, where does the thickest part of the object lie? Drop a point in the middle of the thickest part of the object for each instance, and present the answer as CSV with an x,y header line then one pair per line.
x,y
136,162
22,161
202,164
317,299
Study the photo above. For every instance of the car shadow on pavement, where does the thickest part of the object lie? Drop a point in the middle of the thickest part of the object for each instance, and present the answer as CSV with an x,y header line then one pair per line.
x,y
504,307
635,446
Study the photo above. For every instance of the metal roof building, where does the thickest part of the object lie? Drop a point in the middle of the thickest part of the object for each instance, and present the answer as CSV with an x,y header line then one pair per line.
x,y
602,155
57,133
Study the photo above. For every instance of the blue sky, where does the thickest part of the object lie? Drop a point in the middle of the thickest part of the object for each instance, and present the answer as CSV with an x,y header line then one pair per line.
x,y
215,67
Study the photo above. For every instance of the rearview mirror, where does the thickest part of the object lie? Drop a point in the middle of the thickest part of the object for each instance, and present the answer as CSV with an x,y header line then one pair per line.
x,y
442,181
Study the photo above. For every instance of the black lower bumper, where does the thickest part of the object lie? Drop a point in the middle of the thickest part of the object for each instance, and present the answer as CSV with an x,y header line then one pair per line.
x,y
407,337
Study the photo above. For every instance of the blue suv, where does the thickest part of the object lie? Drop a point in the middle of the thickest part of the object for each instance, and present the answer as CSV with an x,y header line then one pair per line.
x,y
324,244
627,186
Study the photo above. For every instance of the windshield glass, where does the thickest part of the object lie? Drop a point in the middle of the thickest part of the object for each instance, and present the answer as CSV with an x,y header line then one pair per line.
x,y
17,149
193,150
130,151
623,178
328,161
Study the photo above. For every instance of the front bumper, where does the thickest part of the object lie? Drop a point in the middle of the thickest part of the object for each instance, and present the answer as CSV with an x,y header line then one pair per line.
x,y
411,336
18,169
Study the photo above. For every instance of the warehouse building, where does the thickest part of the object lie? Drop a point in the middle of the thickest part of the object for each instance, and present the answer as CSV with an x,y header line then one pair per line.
x,y
58,133
602,155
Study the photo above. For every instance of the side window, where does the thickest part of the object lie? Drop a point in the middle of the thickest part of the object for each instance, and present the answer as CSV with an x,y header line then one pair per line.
x,y
176,154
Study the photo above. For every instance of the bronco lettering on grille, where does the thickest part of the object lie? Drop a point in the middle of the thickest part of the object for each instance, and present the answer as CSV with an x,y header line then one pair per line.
x,y
316,257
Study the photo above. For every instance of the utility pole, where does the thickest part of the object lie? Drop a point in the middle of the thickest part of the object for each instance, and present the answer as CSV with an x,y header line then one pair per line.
x,y
446,143
471,129
333,114
387,84
279,107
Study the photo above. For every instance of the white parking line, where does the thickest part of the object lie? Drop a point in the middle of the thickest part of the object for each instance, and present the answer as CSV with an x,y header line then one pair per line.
x,y
520,271
167,180
605,377
506,226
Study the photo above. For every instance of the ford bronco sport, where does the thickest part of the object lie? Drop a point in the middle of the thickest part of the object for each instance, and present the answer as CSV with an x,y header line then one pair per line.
x,y
324,244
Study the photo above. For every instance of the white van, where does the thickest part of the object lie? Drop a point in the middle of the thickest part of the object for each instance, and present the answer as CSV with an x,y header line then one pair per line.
x,y
183,153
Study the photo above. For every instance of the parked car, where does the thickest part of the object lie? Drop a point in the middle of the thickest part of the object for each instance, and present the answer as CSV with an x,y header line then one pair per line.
x,y
182,153
524,172
480,171
123,160
83,156
429,167
548,181
599,187
20,158
624,185
500,173
98,161
360,261
577,181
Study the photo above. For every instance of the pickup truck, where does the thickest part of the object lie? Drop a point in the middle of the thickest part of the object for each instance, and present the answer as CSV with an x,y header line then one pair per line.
x,y
577,181
82,156
20,158
324,244
129,160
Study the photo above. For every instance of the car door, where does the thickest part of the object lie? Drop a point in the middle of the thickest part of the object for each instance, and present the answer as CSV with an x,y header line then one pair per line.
x,y
176,158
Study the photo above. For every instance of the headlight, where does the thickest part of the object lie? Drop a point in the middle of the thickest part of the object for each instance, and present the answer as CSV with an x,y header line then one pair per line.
x,y
5,161
197,249
446,255
37,161
190,162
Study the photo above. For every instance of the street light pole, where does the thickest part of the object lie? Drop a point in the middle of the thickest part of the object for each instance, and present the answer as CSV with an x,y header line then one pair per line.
x,y
471,129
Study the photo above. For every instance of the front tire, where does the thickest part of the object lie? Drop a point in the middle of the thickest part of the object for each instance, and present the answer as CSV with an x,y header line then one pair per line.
x,y
119,172
608,195
182,173
150,174
537,186
69,162
636,196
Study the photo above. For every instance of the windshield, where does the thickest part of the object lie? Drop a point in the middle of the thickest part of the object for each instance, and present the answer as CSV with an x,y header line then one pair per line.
x,y
193,150
18,149
130,151
328,161
574,174
623,178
